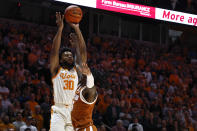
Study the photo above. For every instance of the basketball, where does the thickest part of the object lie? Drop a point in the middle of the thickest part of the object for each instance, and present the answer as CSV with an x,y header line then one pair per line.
x,y
73,14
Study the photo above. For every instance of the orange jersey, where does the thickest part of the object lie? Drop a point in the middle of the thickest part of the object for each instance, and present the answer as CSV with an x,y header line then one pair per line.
x,y
81,114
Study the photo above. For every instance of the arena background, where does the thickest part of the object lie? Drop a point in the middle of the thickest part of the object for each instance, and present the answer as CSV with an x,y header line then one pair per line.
x,y
146,68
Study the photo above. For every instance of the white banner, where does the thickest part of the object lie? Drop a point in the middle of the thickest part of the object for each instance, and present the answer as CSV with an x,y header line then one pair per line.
x,y
175,16
88,3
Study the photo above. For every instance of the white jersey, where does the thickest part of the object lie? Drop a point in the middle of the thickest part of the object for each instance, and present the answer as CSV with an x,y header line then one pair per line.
x,y
64,86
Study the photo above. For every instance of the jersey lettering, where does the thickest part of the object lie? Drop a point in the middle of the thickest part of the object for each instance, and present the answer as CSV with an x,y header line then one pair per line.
x,y
65,76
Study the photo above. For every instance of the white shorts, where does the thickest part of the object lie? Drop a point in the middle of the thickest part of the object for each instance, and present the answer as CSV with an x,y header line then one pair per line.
x,y
61,118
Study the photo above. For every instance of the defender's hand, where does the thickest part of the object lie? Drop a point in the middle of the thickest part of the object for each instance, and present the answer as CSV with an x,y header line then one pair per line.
x,y
84,69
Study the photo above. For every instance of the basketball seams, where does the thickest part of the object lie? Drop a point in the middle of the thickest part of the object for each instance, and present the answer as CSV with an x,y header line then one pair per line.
x,y
73,14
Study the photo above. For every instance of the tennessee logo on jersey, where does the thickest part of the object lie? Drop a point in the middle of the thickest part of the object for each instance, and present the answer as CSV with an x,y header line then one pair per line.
x,y
68,78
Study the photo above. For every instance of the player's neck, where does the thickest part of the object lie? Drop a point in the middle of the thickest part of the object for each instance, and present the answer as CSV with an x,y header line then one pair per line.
x,y
67,67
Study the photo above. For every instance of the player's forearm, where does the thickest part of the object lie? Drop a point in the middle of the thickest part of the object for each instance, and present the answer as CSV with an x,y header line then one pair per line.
x,y
56,42
81,46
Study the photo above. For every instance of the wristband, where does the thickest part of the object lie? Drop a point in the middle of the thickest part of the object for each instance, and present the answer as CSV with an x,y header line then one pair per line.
x,y
90,81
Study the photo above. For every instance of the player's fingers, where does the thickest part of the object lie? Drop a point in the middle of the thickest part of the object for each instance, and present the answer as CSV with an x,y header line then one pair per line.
x,y
62,17
56,15
83,64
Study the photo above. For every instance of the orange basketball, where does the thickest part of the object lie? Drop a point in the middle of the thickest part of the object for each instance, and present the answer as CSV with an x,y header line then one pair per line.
x,y
73,14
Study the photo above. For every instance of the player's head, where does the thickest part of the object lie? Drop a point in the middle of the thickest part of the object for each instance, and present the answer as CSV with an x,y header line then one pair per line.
x,y
66,58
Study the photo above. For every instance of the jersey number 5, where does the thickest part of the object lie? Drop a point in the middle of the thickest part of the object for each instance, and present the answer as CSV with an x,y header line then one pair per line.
x,y
69,85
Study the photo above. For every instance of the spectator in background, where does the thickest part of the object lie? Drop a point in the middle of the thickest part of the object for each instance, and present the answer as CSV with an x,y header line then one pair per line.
x,y
103,104
28,125
3,89
190,7
112,113
6,125
19,122
135,126
119,126
46,108
38,117
102,128
5,103
32,103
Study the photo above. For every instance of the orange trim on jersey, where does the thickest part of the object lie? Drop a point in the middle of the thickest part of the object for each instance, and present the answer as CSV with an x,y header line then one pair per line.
x,y
57,73
75,67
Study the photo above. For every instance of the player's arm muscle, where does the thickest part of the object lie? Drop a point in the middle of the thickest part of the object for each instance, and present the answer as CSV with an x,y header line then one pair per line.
x,y
81,48
74,42
80,45
54,55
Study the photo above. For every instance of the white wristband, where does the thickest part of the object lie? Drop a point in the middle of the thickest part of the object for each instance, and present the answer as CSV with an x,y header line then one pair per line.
x,y
90,81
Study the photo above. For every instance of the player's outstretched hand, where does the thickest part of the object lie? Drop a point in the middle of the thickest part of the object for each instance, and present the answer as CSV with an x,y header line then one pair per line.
x,y
84,69
60,20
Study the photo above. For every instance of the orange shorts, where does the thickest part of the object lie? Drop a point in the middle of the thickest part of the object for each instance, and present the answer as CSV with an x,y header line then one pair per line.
x,y
90,128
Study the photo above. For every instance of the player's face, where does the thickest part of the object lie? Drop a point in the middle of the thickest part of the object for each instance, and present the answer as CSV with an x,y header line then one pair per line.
x,y
67,57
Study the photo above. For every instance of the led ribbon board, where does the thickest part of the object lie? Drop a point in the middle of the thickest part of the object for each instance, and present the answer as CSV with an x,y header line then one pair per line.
x,y
138,10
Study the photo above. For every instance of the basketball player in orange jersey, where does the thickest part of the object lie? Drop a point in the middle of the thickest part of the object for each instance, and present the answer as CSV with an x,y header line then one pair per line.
x,y
85,99
65,74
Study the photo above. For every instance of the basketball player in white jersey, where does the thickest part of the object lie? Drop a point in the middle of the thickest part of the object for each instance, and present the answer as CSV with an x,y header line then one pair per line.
x,y
64,71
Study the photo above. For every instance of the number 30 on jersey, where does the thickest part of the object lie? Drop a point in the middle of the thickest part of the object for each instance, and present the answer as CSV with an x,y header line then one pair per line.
x,y
69,85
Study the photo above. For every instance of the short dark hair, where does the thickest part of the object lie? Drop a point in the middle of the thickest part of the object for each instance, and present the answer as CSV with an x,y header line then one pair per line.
x,y
65,49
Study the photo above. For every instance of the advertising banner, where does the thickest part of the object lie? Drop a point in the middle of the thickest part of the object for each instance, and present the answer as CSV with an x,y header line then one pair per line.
x,y
126,8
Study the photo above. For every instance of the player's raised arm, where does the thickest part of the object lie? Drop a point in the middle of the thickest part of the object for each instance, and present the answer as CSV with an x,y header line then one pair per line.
x,y
54,55
74,42
81,47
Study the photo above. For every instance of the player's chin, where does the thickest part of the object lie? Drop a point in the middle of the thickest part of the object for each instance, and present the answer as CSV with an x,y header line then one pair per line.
x,y
70,61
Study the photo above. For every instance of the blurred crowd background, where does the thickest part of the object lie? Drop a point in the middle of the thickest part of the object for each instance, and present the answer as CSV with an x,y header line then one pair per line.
x,y
145,70
152,86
